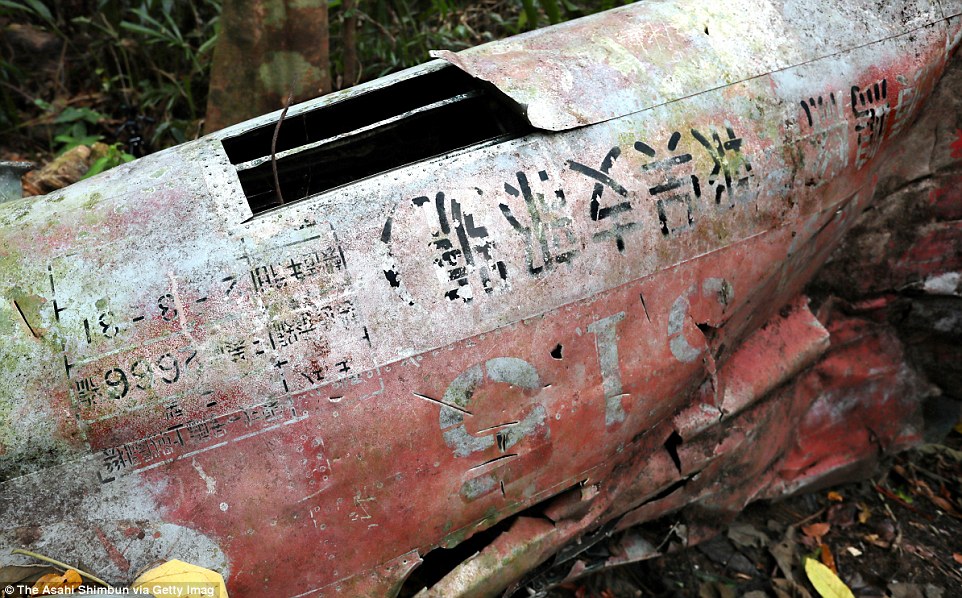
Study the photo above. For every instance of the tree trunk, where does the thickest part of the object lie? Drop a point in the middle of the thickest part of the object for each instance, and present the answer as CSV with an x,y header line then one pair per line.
x,y
349,39
267,48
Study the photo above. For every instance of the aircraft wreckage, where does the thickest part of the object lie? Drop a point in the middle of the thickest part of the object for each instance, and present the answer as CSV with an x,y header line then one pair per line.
x,y
545,289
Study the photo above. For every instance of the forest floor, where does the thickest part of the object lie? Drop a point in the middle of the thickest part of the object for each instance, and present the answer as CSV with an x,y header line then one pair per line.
x,y
896,535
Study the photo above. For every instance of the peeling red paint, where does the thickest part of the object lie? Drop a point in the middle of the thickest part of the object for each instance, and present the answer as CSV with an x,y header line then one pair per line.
x,y
957,145
605,319
115,554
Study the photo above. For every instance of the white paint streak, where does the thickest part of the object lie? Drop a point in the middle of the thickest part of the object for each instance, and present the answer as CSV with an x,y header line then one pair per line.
x,y
943,284
208,480
178,304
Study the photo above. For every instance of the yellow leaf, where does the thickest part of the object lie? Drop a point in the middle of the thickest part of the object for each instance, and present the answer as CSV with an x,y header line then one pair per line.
x,y
863,512
835,496
177,578
826,583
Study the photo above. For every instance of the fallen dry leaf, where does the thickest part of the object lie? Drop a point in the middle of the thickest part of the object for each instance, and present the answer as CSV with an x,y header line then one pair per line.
x,y
906,590
714,589
828,559
874,540
825,582
816,531
174,574
784,554
747,536
853,551
785,588
920,551
841,515
50,583
888,530
957,557
23,574
942,504
835,496
863,512
944,492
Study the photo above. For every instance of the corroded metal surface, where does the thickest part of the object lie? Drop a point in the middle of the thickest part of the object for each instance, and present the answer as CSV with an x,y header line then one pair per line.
x,y
312,398
855,401
673,50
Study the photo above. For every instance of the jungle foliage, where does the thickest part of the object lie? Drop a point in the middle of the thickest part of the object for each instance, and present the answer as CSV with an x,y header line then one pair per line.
x,y
135,73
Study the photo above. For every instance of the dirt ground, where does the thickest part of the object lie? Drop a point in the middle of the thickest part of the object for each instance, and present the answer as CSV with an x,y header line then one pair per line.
x,y
898,534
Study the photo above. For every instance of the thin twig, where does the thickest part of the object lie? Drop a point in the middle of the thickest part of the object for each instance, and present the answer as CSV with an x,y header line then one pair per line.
x,y
277,130
814,515
893,496
930,474
9,85
384,31
47,559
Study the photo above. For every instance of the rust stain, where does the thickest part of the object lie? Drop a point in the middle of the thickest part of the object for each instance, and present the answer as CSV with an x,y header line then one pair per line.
x,y
115,555
957,145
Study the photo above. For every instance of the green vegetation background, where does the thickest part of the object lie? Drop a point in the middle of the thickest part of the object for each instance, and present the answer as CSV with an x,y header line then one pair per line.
x,y
135,74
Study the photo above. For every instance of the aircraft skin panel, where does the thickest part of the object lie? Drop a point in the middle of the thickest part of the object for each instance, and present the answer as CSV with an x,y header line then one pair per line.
x,y
320,393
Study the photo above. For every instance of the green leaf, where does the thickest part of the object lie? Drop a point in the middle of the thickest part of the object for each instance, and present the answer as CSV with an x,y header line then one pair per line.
x,y
530,12
100,164
114,157
551,9
13,5
39,8
901,493
207,45
154,35
71,141
71,114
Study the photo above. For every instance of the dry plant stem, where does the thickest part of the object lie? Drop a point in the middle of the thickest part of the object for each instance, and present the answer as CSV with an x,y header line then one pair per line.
x,y
814,515
277,130
377,25
930,474
894,497
673,530
61,70
47,559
